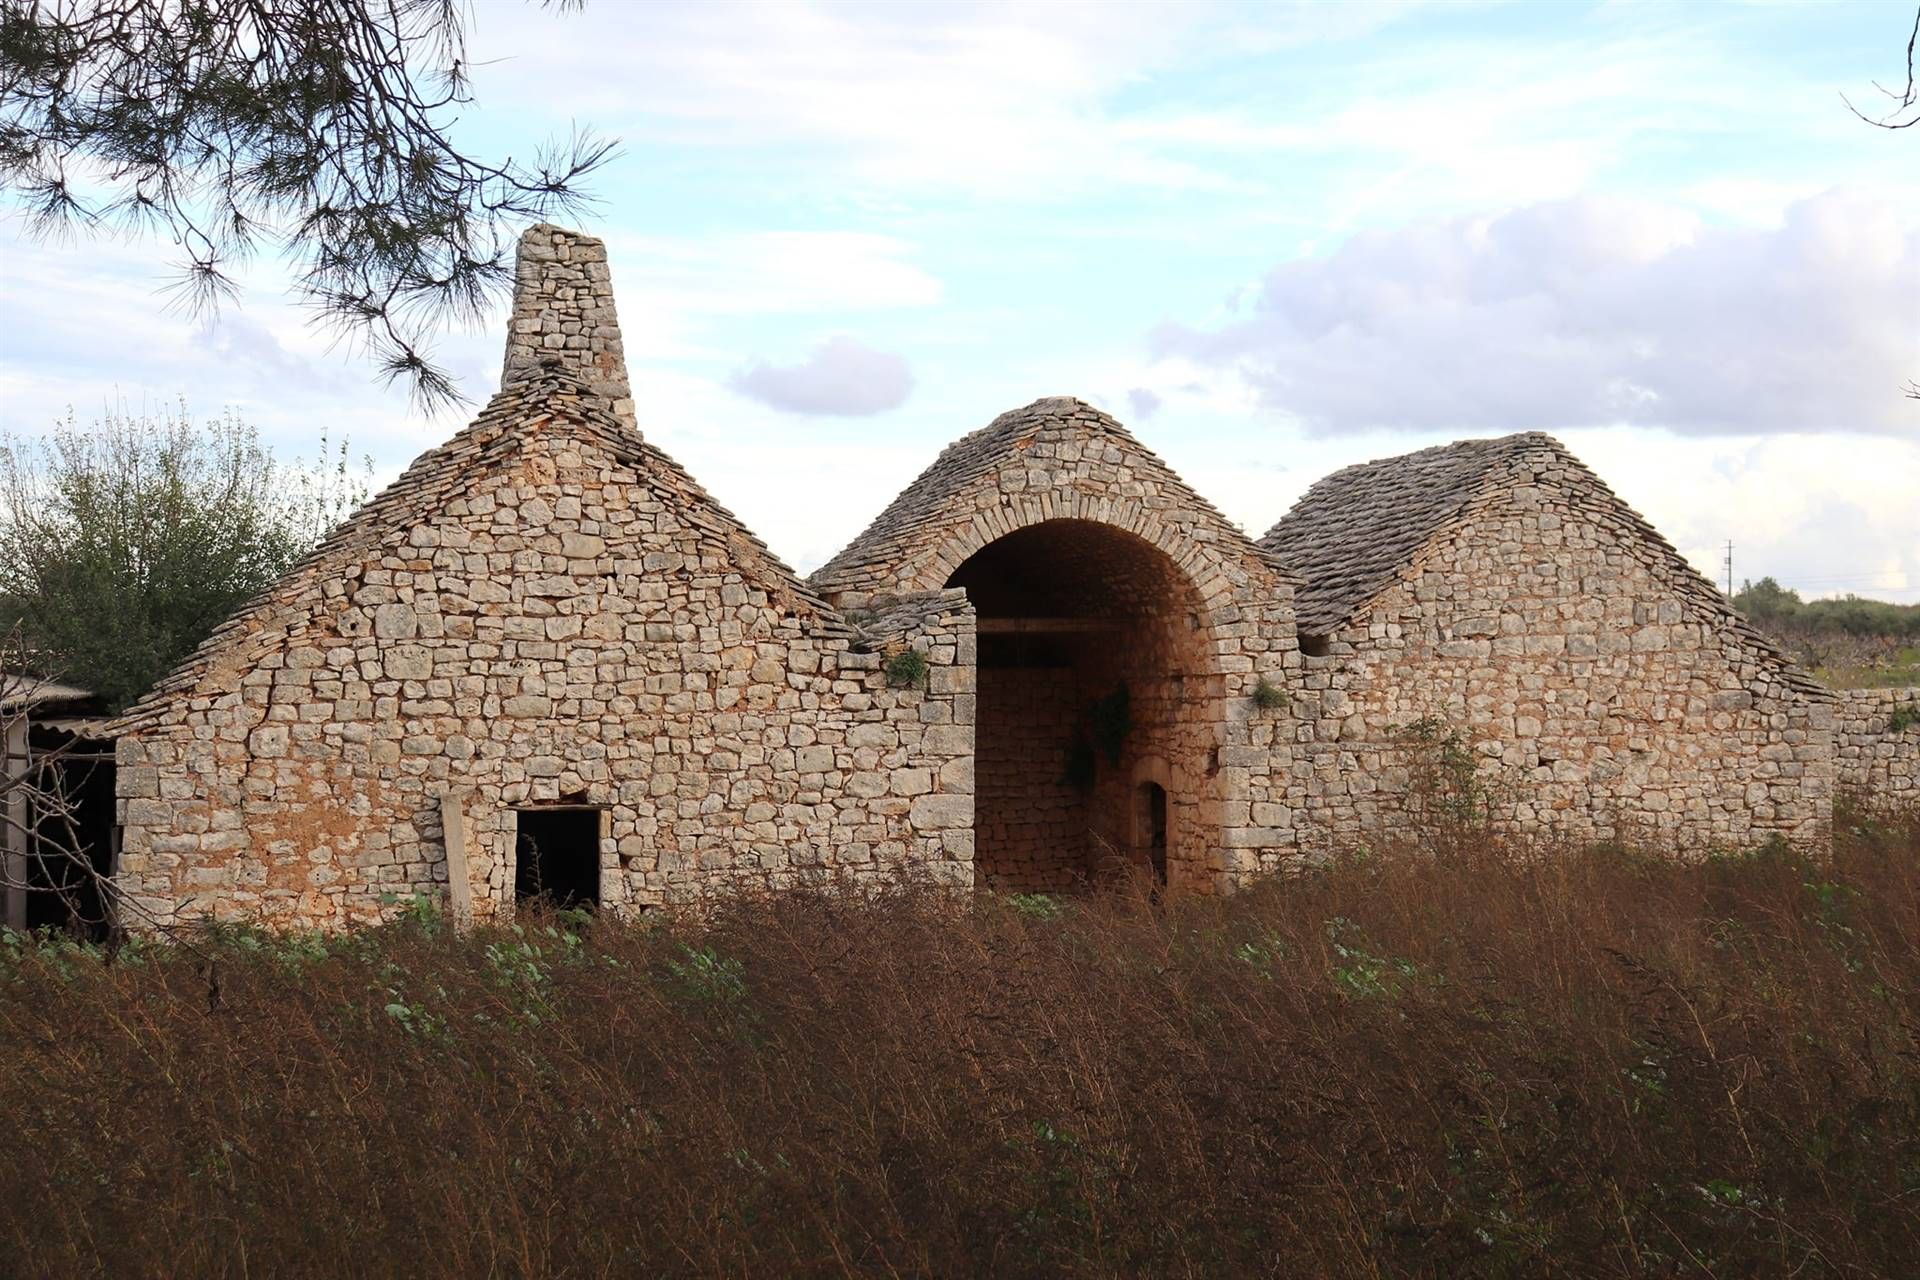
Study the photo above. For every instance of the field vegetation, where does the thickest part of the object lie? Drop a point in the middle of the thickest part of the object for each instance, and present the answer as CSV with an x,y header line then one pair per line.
x,y
1845,643
1465,1056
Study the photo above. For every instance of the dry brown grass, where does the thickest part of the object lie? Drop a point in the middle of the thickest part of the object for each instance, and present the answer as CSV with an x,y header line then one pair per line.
x,y
1495,1062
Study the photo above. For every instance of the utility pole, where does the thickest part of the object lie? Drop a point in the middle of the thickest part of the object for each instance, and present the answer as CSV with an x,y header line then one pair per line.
x,y
1729,568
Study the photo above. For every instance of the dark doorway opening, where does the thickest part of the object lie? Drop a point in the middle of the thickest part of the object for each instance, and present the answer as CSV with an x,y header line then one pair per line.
x,y
1091,655
1152,799
72,846
557,857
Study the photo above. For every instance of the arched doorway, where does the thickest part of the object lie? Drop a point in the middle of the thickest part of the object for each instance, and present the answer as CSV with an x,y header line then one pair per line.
x,y
1094,656
1150,828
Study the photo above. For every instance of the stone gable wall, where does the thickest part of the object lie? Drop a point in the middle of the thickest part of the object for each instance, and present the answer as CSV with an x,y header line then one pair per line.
x,y
1872,755
560,631
1547,633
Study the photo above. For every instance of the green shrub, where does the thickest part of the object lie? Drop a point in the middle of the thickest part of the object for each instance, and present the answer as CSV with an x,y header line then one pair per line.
x,y
908,669
1268,696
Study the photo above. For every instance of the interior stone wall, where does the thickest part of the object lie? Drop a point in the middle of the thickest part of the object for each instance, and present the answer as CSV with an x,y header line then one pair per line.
x,y
1596,699
1873,755
1030,824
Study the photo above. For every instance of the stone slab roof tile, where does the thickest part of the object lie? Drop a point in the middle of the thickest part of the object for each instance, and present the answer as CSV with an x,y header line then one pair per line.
x,y
537,391
1354,533
970,460
890,618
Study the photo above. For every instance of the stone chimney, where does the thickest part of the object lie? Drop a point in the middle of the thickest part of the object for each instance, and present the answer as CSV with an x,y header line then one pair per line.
x,y
563,309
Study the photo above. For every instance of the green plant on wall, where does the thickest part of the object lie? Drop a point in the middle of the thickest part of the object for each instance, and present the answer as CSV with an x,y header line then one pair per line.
x,y
907,669
1268,696
1446,781
1904,717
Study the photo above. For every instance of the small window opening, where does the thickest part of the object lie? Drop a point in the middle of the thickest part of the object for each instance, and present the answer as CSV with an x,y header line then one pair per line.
x,y
1152,799
1315,646
557,857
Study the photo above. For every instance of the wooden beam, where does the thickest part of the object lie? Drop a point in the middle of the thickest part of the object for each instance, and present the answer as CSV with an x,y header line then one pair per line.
x,y
1047,626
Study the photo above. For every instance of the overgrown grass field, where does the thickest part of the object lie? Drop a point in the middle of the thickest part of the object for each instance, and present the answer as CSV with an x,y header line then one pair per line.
x,y
1461,1059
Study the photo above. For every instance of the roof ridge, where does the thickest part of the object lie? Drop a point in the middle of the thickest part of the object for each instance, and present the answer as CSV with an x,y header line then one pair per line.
x,y
973,455
1344,547
544,386
1342,572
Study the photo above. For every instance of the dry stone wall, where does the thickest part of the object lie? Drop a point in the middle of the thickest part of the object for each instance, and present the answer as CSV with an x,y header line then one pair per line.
x,y
563,629
1029,820
546,611
1597,700
1877,741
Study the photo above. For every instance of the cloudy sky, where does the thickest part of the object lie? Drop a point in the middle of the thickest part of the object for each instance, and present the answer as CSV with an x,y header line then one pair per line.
x,y
1273,239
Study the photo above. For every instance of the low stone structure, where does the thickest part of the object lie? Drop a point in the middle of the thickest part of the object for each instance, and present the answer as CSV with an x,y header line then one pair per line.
x,y
545,662
1877,742
1498,591
545,613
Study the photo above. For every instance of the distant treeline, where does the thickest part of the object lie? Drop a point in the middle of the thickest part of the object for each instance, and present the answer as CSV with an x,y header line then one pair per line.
x,y
1848,642
1766,601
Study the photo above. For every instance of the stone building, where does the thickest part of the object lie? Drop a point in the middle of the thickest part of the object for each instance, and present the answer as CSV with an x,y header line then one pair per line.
x,y
546,663
1124,625
1497,590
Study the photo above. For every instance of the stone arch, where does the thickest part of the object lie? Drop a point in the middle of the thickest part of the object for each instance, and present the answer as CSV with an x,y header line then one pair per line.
x,y
1098,657
1014,512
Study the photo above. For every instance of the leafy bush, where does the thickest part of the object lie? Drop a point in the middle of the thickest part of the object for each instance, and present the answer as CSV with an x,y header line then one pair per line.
x,y
1567,1062
123,544
1848,643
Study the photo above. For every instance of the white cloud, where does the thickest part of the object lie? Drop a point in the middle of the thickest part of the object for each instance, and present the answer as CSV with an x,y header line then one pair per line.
x,y
1828,514
1589,312
767,273
840,378
1002,97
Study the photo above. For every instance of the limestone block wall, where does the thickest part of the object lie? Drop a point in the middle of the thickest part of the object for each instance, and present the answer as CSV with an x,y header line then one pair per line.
x,y
1030,818
563,310
1598,696
566,619
1873,754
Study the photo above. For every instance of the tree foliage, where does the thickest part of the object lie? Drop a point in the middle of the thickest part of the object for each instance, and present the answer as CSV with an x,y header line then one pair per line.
x,y
1848,643
318,128
1767,601
124,543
